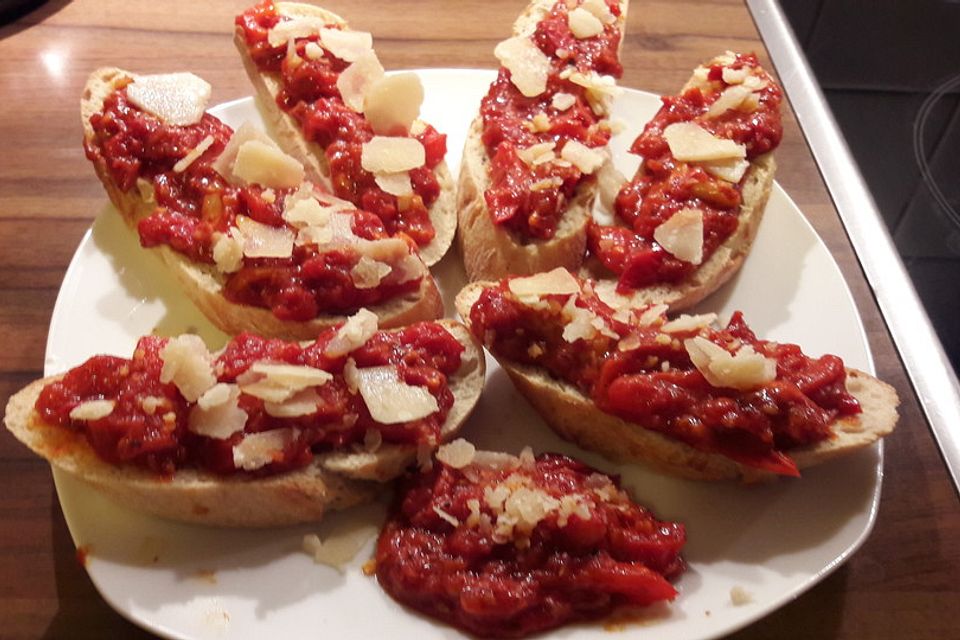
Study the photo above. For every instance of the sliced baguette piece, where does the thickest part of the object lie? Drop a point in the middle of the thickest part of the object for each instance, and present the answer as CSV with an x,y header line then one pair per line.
x,y
722,264
333,481
286,131
575,417
726,259
203,283
491,252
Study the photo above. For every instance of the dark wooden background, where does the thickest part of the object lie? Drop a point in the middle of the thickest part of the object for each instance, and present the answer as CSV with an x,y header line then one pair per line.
x,y
902,584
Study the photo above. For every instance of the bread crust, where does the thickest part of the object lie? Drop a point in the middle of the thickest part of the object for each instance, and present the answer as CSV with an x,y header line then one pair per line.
x,y
203,284
491,252
287,133
334,480
575,417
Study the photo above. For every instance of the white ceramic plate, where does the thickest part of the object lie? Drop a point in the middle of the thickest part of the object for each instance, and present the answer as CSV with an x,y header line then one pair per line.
x,y
191,582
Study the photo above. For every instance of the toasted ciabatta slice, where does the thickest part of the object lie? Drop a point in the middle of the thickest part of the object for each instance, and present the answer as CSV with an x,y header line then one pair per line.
x,y
289,134
333,480
489,249
204,283
754,179
576,417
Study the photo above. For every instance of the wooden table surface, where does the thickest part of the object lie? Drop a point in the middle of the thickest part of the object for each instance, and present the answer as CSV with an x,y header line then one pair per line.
x,y
903,583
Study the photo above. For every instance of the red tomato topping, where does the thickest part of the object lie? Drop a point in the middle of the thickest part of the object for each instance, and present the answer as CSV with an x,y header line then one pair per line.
x,y
155,434
664,185
195,205
530,200
591,551
310,95
656,385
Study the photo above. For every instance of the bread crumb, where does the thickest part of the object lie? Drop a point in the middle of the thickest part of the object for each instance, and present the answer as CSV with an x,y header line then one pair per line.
x,y
740,596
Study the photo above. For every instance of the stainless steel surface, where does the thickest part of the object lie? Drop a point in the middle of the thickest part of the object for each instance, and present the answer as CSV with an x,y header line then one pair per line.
x,y
926,362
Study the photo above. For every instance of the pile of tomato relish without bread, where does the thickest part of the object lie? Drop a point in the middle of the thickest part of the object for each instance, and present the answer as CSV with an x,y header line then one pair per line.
x,y
668,375
259,406
507,546
197,209
308,76
532,178
747,112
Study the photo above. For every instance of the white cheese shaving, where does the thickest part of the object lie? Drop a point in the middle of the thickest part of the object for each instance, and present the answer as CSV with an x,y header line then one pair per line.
x,y
354,333
184,163
224,162
291,376
313,51
92,410
227,252
349,46
392,103
562,101
529,67
306,212
218,413
392,155
396,184
368,273
744,370
263,241
257,450
734,76
539,153
176,98
681,235
458,454
302,403
314,235
446,516
264,164
341,545
731,98
584,24
216,395
299,27
690,142
583,157
556,282
390,400
740,596
188,364
689,322
356,80
600,10
731,169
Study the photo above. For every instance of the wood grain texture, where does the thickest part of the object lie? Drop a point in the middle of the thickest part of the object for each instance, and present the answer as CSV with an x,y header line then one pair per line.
x,y
902,583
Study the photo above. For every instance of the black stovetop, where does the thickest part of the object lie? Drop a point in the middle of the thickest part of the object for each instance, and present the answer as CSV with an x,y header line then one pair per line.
x,y
891,74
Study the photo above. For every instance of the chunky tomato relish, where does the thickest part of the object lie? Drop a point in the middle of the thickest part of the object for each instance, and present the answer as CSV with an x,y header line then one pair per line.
x,y
664,185
639,369
530,198
310,95
195,206
513,549
150,424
